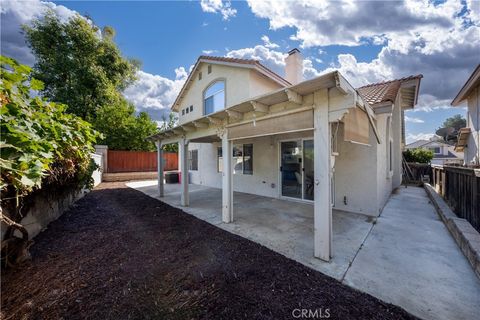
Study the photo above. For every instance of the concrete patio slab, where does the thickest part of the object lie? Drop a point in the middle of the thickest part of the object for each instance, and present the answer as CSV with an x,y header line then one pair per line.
x,y
283,226
407,258
411,260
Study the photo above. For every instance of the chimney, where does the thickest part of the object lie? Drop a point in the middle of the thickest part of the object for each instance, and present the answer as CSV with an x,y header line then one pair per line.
x,y
294,66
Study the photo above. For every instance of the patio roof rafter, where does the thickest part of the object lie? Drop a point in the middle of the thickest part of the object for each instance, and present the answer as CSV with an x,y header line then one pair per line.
x,y
234,115
199,124
294,97
189,128
259,107
215,121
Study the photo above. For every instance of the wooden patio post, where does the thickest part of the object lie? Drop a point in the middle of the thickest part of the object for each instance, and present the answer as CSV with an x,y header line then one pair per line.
x,y
183,150
322,174
227,181
160,168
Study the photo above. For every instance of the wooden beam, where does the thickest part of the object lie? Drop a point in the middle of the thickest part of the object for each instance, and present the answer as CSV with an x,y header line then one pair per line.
x,y
188,128
200,124
235,115
259,107
215,121
293,96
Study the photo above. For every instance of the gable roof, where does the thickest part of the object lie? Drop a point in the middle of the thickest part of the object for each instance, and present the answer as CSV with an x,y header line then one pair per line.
x,y
386,92
234,62
472,82
416,144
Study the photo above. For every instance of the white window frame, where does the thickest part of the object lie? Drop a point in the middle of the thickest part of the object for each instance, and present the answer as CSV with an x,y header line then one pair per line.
x,y
234,159
224,94
190,160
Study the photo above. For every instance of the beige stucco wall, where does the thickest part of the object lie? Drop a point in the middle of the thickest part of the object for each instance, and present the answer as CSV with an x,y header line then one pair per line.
x,y
240,85
473,122
355,176
356,167
265,179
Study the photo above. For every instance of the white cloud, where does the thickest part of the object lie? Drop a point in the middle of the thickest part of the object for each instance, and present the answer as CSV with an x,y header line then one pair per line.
x,y
13,14
219,6
208,52
411,137
275,60
267,43
155,94
270,58
439,40
151,93
413,120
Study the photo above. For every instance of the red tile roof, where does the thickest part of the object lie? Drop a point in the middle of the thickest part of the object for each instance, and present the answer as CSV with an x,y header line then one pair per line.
x,y
384,91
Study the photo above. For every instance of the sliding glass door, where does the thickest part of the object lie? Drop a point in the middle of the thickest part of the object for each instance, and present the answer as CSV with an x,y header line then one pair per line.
x,y
296,166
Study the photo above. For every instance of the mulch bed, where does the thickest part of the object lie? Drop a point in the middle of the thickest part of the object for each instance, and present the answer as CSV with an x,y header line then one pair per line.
x,y
119,254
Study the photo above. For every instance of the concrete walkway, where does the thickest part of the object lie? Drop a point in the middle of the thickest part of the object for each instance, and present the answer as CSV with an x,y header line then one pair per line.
x,y
411,260
407,258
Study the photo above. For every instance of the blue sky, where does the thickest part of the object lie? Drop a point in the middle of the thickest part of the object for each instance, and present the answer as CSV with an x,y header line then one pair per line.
x,y
439,40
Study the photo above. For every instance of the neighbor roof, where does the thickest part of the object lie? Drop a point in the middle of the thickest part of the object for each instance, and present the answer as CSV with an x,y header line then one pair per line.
x,y
378,93
249,63
472,82
416,144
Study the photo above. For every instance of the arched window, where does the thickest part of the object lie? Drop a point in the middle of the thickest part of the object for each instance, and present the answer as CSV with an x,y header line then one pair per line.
x,y
214,97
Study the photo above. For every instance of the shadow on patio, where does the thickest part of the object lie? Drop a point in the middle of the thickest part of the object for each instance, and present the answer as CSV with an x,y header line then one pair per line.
x,y
283,226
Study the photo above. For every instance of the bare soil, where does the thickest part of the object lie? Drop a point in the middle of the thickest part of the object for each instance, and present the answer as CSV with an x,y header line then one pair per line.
x,y
119,254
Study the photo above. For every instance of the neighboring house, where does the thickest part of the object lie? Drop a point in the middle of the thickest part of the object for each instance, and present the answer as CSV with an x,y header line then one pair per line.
x,y
319,141
443,153
469,137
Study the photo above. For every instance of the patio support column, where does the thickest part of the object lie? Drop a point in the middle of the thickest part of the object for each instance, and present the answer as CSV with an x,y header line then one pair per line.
x,y
322,192
160,168
227,181
183,150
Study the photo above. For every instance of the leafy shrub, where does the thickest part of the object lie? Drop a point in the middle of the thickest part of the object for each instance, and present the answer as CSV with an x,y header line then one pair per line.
x,y
39,141
418,155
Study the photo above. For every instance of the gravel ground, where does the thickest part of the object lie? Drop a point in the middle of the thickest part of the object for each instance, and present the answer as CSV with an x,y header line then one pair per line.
x,y
119,254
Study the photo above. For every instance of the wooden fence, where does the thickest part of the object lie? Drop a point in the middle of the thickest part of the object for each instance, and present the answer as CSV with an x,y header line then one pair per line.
x,y
460,187
139,161
416,172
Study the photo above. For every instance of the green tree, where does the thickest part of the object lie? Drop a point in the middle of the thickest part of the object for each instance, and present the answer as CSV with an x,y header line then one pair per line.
x,y
84,69
122,130
418,155
168,123
456,122
79,65
450,127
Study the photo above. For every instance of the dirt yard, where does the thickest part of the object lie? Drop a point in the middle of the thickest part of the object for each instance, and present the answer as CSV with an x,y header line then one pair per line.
x,y
119,254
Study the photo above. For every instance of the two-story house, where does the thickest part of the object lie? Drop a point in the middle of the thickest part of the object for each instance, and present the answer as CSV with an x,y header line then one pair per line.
x,y
244,128
443,153
469,137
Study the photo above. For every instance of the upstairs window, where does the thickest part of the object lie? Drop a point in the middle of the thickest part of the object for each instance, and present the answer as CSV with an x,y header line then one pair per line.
x,y
214,97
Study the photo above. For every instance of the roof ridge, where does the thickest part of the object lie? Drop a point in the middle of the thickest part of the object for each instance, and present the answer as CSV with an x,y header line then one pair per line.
x,y
393,80
208,57
242,60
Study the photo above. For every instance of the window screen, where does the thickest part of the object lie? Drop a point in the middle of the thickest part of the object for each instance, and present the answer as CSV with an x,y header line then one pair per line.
x,y
193,160
248,159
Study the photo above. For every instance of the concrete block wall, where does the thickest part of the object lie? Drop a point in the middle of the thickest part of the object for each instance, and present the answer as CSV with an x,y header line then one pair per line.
x,y
467,238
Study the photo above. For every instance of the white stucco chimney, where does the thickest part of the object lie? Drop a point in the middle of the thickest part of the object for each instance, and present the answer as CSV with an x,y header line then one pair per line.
x,y
294,66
